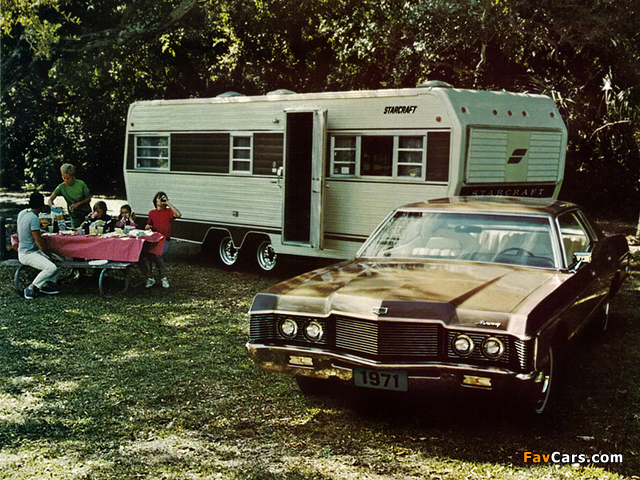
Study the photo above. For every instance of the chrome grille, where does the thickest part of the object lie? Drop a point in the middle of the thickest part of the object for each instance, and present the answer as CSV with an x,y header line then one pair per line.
x,y
523,352
262,327
408,339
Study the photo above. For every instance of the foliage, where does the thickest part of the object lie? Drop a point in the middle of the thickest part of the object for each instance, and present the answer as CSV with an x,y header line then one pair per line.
x,y
70,69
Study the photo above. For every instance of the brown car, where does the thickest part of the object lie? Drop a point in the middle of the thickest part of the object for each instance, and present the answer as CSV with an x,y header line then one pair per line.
x,y
468,292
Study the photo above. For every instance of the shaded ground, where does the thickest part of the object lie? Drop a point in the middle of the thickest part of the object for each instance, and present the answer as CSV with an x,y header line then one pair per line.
x,y
157,385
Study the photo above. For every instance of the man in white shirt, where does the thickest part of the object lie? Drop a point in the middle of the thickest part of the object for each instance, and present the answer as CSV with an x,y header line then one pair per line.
x,y
32,249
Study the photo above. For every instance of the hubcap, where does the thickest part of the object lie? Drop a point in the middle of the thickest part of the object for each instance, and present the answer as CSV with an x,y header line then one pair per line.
x,y
543,382
266,256
228,254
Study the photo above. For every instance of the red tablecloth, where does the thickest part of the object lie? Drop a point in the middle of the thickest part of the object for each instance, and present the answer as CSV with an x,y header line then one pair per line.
x,y
117,249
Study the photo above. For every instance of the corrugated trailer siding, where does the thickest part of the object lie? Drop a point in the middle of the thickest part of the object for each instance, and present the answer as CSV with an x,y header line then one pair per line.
x,y
370,203
239,200
359,112
544,151
489,151
487,156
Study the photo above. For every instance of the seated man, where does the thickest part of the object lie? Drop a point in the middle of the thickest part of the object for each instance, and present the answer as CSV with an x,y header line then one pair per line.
x,y
32,249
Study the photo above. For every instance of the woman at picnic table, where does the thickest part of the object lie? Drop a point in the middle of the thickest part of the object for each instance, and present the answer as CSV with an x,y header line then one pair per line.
x,y
32,249
76,194
160,220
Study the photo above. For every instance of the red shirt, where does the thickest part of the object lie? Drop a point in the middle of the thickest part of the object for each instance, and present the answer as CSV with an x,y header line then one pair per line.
x,y
160,221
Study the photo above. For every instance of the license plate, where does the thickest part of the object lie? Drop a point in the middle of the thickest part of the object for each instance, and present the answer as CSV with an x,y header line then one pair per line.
x,y
383,380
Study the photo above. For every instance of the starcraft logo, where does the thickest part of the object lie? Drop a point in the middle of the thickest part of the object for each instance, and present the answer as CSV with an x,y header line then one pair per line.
x,y
517,155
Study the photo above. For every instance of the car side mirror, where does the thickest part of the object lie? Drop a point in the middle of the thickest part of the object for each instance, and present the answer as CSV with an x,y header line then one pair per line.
x,y
578,259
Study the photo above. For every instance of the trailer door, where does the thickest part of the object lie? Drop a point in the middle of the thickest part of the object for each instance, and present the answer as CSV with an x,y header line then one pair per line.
x,y
305,140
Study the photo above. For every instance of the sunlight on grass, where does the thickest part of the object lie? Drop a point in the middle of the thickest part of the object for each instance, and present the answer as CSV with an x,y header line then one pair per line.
x,y
16,408
159,386
32,463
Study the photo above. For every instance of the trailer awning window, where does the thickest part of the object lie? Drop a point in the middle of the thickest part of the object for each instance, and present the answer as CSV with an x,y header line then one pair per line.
x,y
152,152
410,156
241,153
344,155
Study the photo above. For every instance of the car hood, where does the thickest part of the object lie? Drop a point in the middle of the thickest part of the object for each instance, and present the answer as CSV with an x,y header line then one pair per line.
x,y
483,295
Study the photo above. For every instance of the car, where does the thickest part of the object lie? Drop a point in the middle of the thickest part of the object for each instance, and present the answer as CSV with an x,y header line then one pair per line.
x,y
469,292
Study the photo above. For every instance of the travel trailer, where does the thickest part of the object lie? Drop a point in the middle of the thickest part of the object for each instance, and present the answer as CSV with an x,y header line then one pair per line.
x,y
313,174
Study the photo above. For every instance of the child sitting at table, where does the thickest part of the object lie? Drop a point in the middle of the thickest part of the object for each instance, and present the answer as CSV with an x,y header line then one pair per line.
x,y
100,213
126,218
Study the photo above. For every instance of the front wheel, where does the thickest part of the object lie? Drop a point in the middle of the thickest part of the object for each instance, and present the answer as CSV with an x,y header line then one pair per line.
x,y
266,257
542,386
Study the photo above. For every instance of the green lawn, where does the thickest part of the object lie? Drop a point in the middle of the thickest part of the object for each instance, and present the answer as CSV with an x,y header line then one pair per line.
x,y
157,385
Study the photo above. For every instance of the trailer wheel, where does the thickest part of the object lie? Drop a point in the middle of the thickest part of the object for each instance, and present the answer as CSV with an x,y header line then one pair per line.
x,y
227,252
266,256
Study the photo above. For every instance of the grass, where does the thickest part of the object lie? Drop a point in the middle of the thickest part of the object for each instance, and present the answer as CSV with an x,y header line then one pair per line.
x,y
157,385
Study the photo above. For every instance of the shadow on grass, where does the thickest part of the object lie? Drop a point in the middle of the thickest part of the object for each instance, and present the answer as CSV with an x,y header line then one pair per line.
x,y
157,384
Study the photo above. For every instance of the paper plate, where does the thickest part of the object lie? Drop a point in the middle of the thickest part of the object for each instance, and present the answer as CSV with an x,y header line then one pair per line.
x,y
98,262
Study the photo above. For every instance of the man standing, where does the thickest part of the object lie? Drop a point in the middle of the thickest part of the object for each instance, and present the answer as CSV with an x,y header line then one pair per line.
x,y
32,249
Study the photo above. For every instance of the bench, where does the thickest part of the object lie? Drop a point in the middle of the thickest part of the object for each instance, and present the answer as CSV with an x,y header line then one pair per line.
x,y
24,274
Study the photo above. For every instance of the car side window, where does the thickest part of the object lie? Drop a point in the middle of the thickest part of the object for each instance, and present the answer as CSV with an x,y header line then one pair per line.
x,y
574,236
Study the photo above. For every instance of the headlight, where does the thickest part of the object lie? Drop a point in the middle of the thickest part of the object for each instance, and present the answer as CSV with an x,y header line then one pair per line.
x,y
314,331
289,328
462,345
492,348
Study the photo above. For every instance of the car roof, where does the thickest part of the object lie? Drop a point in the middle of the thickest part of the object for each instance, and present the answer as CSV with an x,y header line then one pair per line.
x,y
494,204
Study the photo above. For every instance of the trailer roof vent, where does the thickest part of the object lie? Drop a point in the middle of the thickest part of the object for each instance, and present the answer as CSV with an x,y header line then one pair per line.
x,y
281,91
433,84
229,94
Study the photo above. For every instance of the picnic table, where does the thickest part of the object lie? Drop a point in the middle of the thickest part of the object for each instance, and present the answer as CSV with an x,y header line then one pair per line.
x,y
109,253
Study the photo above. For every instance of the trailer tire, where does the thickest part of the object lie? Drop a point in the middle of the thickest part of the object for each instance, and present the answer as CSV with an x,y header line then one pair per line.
x,y
266,257
227,253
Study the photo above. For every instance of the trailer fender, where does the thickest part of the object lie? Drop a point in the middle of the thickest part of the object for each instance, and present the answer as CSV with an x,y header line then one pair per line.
x,y
240,236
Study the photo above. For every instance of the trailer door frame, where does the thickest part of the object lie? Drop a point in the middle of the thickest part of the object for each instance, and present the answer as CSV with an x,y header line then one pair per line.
x,y
304,175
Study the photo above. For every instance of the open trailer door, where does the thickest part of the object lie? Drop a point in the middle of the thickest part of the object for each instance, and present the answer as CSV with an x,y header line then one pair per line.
x,y
305,140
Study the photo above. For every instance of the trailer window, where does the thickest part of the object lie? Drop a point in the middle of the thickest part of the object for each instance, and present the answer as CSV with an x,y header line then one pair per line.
x,y
418,157
438,152
377,156
241,154
344,155
152,152
410,156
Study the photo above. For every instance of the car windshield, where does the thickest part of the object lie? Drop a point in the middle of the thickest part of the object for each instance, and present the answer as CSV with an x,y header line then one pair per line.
x,y
509,239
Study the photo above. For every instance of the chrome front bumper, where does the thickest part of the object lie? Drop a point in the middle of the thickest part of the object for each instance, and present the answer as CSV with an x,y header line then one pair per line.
x,y
310,362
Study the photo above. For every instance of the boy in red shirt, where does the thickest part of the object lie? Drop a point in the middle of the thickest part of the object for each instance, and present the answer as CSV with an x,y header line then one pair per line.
x,y
160,220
